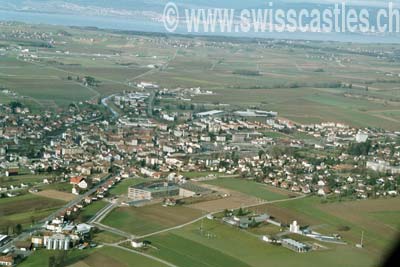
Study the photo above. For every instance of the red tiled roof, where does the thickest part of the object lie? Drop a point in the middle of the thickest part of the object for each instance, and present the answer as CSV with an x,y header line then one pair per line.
x,y
76,180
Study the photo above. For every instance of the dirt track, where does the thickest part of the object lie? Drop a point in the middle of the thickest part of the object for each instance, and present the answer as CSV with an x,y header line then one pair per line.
x,y
233,200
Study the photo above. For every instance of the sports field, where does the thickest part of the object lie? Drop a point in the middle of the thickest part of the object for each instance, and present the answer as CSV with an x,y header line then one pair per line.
x,y
250,188
148,219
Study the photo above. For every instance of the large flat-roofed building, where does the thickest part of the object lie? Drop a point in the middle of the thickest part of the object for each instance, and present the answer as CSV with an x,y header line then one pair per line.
x,y
256,113
152,190
209,113
138,194
148,191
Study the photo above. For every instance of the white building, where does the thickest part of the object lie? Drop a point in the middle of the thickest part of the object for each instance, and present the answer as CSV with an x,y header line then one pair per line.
x,y
294,228
361,137
137,244
209,113
147,85
83,228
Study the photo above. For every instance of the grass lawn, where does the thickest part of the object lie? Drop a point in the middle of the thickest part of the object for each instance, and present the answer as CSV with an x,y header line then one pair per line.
x,y
237,248
122,187
17,180
275,135
148,219
98,257
248,187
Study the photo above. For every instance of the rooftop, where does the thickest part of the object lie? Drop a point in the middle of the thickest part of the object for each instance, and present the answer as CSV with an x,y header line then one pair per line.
x,y
294,243
156,186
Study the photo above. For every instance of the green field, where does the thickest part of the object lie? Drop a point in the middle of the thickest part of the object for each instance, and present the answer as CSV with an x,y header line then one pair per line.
x,y
89,211
98,257
185,252
25,209
311,105
25,178
42,82
391,218
148,219
41,257
375,217
250,188
63,187
233,247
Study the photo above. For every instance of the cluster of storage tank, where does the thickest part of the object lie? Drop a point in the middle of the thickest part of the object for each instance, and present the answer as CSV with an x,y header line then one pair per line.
x,y
54,243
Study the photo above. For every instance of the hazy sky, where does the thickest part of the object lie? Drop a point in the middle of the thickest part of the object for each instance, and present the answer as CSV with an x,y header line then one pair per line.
x,y
94,2
353,2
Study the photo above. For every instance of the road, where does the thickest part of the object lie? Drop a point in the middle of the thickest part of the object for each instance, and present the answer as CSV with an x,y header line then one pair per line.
x,y
25,234
77,199
104,103
101,214
150,104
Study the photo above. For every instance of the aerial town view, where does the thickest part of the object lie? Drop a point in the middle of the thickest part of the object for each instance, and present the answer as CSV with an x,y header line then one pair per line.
x,y
129,139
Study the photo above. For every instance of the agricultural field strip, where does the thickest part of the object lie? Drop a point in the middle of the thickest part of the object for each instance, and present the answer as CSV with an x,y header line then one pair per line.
x,y
96,94
143,254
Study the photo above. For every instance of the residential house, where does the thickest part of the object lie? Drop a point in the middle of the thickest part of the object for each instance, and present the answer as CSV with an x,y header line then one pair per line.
x,y
6,260
79,181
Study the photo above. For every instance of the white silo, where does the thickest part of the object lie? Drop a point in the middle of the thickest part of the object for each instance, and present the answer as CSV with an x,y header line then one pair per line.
x,y
61,244
49,244
66,243
55,244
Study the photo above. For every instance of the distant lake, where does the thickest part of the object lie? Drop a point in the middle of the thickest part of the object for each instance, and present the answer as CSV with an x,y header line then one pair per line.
x,y
146,25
